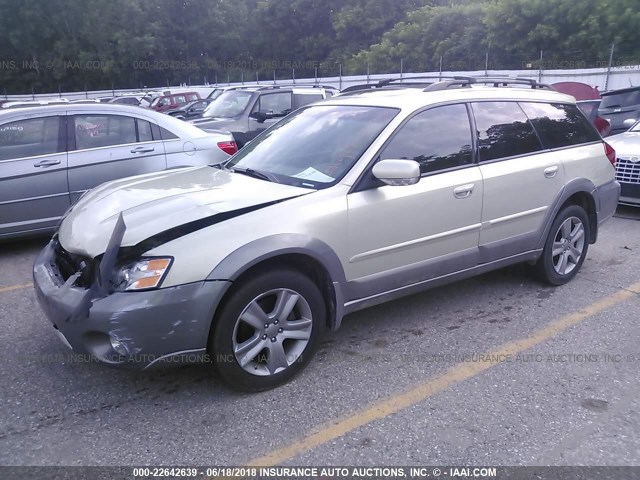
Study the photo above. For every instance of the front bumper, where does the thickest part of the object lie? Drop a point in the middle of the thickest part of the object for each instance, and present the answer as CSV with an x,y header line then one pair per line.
x,y
165,325
630,194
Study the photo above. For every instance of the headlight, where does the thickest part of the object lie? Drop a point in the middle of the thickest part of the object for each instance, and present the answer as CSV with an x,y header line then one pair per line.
x,y
143,274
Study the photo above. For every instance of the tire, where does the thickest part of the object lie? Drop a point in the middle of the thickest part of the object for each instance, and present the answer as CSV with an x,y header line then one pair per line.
x,y
267,330
569,240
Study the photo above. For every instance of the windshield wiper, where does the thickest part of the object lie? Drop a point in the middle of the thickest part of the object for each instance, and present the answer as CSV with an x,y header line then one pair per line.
x,y
255,174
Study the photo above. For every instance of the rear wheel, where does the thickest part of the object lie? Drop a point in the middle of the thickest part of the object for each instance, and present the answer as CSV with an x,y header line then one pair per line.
x,y
268,330
566,247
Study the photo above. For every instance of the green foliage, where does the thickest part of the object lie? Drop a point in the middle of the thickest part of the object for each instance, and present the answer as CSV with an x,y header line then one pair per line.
x,y
73,44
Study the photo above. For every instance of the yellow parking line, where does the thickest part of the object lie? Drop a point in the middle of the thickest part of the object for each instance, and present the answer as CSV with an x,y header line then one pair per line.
x,y
20,286
456,374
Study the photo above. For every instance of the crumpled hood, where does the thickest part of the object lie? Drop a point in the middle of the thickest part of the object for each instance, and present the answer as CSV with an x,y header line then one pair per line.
x,y
625,144
153,203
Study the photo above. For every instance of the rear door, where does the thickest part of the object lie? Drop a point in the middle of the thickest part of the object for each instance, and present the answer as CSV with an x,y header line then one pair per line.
x,y
108,147
33,173
521,179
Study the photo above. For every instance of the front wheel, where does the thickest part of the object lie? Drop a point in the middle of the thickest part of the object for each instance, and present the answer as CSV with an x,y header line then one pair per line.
x,y
566,247
268,330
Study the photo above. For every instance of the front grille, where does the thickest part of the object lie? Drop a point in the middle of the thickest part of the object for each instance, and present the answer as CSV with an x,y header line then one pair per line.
x,y
627,171
69,264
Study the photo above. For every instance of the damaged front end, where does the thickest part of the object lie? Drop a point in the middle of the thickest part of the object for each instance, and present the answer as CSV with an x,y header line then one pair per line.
x,y
91,308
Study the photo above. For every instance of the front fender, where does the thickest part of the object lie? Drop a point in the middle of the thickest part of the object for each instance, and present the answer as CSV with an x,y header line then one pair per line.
x,y
257,251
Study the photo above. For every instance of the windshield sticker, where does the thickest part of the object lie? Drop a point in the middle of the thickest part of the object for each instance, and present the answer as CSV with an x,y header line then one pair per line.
x,y
314,175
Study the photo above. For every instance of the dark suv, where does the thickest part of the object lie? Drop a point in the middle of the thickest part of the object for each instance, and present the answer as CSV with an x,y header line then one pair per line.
x,y
621,108
247,111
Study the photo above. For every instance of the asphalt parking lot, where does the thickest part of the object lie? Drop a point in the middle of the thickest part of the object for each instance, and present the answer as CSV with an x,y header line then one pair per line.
x,y
496,370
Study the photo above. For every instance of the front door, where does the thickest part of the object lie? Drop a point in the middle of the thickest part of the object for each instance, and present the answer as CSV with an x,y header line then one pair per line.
x,y
401,235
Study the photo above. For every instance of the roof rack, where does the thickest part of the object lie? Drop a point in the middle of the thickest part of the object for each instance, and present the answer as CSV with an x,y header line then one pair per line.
x,y
401,82
459,82
290,85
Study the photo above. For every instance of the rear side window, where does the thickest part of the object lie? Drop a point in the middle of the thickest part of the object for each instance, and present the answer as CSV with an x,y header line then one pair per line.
x,y
179,100
300,99
144,131
560,125
29,138
192,97
167,135
94,131
438,139
503,131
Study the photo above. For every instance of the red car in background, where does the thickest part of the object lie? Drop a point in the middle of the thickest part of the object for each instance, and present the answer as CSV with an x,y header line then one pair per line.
x,y
588,98
172,101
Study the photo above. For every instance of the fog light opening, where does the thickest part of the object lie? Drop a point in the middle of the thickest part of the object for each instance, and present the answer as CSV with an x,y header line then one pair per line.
x,y
118,346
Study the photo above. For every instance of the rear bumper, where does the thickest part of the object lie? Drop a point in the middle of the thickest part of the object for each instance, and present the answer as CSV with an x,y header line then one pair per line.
x,y
165,325
607,196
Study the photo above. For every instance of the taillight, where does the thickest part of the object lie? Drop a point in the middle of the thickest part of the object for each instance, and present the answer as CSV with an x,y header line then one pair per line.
x,y
610,153
228,147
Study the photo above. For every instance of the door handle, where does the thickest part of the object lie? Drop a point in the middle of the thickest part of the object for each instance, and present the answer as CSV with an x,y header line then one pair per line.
x,y
463,191
46,163
550,172
142,149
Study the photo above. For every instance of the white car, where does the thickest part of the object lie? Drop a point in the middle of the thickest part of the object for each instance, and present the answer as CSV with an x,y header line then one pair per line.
x,y
51,155
342,205
627,146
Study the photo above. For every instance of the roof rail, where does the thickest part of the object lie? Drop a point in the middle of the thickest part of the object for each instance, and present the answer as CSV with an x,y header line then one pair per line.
x,y
460,82
290,85
506,81
401,80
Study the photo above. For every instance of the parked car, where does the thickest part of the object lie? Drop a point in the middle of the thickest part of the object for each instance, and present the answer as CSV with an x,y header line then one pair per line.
x,y
627,146
590,110
35,103
245,112
621,108
193,109
172,101
578,90
342,205
50,156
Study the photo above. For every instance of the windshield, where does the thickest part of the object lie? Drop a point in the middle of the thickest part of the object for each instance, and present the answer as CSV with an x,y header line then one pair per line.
x,y
314,147
215,93
228,105
635,128
622,99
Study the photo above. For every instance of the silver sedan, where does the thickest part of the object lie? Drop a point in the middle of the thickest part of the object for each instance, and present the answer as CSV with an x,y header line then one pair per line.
x,y
51,155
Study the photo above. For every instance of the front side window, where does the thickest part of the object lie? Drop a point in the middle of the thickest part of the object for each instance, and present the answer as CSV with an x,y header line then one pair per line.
x,y
503,131
438,139
277,104
94,131
29,138
228,105
560,125
314,147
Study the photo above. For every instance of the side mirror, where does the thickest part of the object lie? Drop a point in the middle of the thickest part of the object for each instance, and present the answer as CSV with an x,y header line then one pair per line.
x,y
397,172
629,122
260,117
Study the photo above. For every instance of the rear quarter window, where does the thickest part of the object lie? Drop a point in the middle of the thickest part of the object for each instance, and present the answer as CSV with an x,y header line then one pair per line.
x,y
560,125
